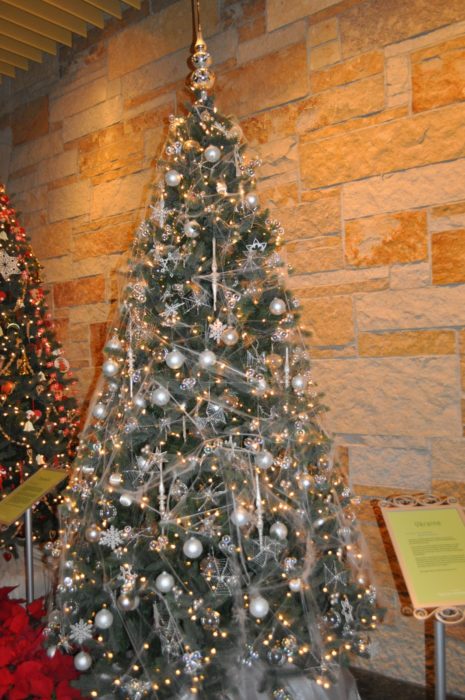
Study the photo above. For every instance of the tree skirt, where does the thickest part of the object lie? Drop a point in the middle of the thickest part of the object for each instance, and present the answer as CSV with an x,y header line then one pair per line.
x,y
13,573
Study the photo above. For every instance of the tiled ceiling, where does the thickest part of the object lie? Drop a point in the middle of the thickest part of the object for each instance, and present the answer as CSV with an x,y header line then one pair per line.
x,y
30,28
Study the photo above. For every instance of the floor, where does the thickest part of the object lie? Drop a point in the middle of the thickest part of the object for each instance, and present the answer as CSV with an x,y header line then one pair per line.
x,y
372,686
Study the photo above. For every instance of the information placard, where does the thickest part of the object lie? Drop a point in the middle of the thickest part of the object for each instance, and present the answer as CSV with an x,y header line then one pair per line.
x,y
429,542
32,490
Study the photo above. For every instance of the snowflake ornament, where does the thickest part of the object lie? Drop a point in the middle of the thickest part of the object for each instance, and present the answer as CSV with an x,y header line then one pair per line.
x,y
112,537
80,632
216,330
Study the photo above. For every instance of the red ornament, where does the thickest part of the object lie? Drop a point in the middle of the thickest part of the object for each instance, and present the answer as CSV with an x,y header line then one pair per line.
x,y
7,387
2,296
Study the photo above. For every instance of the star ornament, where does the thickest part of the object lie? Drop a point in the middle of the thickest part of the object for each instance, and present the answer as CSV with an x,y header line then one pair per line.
x,y
8,265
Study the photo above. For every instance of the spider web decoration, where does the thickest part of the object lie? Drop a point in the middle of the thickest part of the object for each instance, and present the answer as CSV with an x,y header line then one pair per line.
x,y
167,630
269,549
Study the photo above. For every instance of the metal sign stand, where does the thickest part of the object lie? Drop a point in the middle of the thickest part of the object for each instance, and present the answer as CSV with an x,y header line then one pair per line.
x,y
28,555
439,660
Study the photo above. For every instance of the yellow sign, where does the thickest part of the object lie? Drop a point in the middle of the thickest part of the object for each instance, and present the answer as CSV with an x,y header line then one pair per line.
x,y
36,487
429,542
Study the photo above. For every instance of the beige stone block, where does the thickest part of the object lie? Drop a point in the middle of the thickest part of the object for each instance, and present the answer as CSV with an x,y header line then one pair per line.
x,y
30,120
153,142
386,239
115,160
387,23
398,86
266,82
278,157
450,216
325,55
356,124
448,257
78,100
410,276
448,459
52,240
395,468
339,282
342,103
314,218
329,319
280,12
426,138
436,307
401,343
122,195
93,119
273,124
39,149
270,43
322,32
416,187
280,196
113,263
438,75
156,36
30,201
69,201
88,290
59,166
315,254
58,269
355,68
395,395
90,313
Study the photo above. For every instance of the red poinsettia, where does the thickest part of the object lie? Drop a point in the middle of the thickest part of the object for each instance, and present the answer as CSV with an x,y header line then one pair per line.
x,y
26,671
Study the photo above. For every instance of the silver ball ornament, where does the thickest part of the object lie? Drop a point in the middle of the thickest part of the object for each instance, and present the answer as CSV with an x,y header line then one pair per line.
x,y
164,583
110,368
298,382
207,359
115,479
295,584
191,229
113,344
140,401
82,661
251,200
278,307
279,530
127,602
175,359
212,154
160,396
240,517
192,548
261,387
263,459
173,178
259,607
126,500
230,336
92,533
103,619
99,411
51,651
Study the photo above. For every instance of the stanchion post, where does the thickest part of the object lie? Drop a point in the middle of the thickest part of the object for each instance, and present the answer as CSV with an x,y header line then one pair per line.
x,y
28,556
440,660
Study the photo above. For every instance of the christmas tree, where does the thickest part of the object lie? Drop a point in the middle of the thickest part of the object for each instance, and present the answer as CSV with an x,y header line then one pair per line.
x,y
208,540
38,414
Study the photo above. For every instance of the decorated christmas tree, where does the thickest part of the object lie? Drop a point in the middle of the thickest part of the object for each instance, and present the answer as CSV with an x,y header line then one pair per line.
x,y
38,413
209,548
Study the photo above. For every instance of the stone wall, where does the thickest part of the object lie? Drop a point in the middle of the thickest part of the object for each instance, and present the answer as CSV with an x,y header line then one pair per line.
x,y
357,111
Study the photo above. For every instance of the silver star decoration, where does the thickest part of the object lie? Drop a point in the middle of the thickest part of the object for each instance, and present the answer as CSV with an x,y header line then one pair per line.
x,y
8,265
216,330
80,632
159,212
256,245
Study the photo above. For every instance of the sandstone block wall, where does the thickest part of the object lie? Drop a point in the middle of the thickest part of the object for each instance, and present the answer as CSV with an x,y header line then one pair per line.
x,y
357,109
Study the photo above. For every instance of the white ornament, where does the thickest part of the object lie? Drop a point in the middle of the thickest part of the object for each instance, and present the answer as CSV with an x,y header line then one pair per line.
x,y
164,582
126,500
230,336
173,178
92,533
127,602
259,607
299,382
160,396
140,401
251,200
278,307
264,459
212,154
115,479
110,368
191,229
175,359
279,530
103,619
295,584
100,411
207,359
82,661
192,548
114,344
240,516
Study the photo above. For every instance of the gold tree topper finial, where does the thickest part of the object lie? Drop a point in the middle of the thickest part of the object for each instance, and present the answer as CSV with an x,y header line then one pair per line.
x,y
201,77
